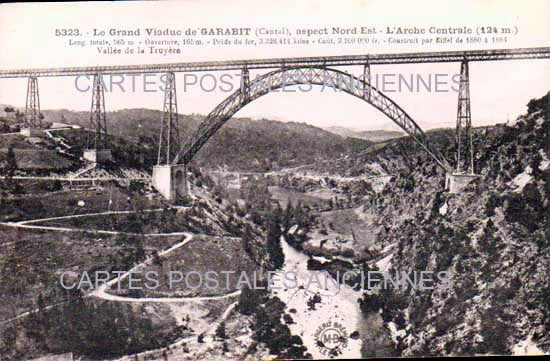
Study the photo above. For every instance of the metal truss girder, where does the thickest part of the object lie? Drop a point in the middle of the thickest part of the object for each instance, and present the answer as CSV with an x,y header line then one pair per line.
x,y
296,76
276,63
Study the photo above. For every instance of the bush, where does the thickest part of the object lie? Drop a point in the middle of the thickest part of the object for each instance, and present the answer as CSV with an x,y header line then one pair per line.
x,y
313,301
493,202
250,299
220,331
371,303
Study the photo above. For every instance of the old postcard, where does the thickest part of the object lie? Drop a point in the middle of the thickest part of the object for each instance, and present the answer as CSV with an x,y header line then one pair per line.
x,y
250,180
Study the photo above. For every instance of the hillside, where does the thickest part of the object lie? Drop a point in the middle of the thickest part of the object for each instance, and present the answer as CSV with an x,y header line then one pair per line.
x,y
24,157
370,135
493,239
275,144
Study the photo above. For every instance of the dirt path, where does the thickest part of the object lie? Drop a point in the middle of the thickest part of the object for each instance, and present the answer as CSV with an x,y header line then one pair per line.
x,y
68,179
190,341
82,215
101,293
28,224
28,313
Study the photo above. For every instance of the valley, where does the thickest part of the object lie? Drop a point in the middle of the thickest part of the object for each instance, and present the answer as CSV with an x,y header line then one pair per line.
x,y
267,197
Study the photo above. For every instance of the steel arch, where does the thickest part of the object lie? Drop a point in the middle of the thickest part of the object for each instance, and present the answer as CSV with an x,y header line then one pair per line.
x,y
284,77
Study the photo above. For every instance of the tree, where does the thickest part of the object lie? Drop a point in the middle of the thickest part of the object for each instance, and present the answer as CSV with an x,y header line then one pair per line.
x,y
289,211
56,186
11,166
9,338
538,104
19,116
249,300
156,258
200,338
313,301
220,331
11,161
492,202
274,250
40,302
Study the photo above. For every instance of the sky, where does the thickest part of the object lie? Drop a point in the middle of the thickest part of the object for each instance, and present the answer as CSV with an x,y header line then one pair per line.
x,y
499,90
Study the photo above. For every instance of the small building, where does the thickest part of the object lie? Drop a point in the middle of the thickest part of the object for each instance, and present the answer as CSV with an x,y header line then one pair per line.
x,y
61,357
35,141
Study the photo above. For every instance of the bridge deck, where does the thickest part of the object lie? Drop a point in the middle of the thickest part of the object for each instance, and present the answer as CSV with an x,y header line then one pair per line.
x,y
402,58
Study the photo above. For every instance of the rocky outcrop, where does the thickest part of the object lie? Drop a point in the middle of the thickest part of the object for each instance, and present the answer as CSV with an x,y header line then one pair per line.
x,y
493,239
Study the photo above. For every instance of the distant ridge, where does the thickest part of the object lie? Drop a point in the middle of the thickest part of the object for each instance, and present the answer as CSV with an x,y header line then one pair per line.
x,y
370,135
242,143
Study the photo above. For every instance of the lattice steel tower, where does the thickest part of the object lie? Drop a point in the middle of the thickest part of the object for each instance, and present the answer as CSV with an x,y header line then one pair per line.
x,y
464,143
98,119
169,132
32,105
245,83
366,81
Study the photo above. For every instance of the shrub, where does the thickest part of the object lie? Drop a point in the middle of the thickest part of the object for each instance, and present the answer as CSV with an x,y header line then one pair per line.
x,y
313,301
220,331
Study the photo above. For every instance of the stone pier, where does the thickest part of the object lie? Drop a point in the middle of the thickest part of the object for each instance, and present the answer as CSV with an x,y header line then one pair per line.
x,y
456,182
170,181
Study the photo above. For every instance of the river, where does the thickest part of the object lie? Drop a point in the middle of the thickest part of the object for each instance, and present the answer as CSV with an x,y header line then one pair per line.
x,y
338,306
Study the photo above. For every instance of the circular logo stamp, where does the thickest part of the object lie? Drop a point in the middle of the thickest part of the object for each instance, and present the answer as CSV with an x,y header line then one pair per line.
x,y
331,338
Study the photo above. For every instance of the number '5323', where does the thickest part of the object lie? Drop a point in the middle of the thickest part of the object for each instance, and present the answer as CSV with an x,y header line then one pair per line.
x,y
67,32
